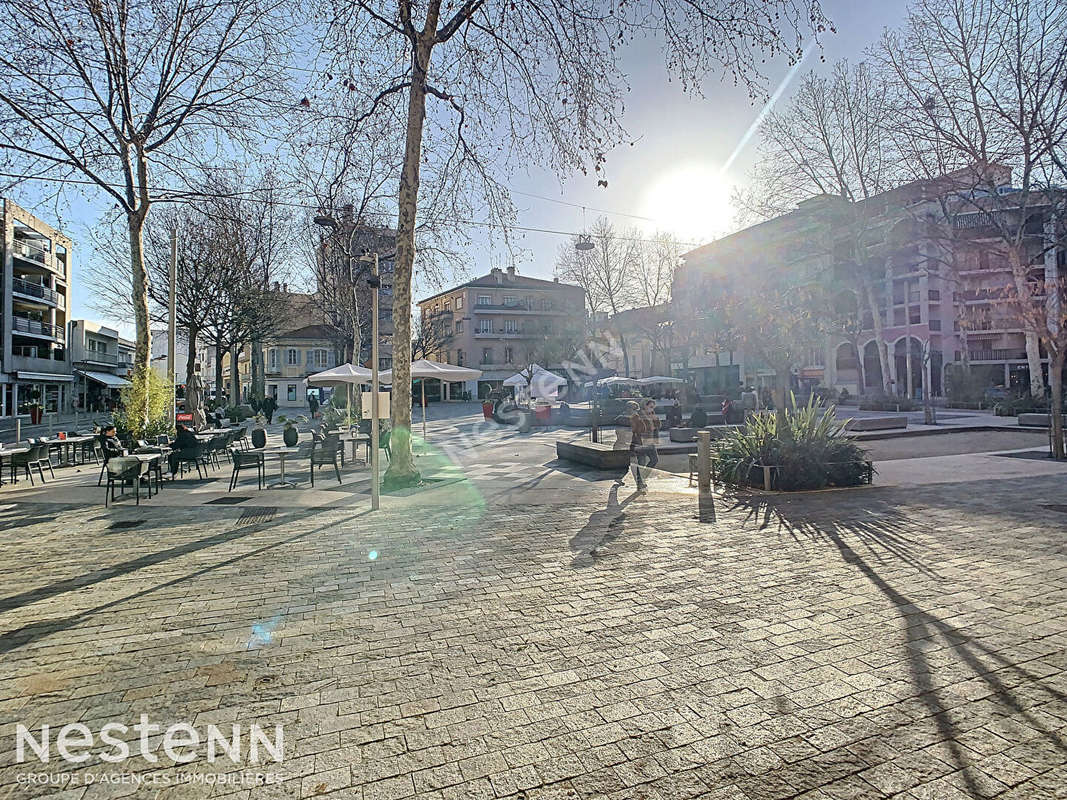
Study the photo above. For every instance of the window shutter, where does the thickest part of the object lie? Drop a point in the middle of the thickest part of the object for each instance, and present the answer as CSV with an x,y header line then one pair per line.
x,y
308,355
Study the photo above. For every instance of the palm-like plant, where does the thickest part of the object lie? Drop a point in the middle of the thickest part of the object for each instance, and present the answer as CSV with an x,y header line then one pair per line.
x,y
807,445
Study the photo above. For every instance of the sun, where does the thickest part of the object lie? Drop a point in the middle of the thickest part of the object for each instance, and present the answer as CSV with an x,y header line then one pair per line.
x,y
690,201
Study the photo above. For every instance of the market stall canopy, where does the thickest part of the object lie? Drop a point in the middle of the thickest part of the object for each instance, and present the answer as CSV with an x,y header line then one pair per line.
x,y
660,379
543,384
104,378
341,375
434,369
613,380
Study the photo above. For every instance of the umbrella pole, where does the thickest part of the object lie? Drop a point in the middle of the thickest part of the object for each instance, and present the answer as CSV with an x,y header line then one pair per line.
x,y
422,385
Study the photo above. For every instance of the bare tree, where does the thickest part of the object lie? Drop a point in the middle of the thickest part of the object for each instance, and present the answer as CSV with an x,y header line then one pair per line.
x,y
126,95
432,335
531,81
833,139
985,79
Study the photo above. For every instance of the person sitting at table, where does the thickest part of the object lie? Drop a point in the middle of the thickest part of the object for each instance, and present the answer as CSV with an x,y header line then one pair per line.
x,y
109,442
674,415
183,440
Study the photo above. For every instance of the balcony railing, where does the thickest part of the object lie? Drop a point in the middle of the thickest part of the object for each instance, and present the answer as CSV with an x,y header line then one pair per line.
x,y
101,358
997,355
31,289
31,252
23,325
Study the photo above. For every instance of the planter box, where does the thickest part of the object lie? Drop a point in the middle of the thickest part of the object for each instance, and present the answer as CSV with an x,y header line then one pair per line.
x,y
594,454
1034,420
876,423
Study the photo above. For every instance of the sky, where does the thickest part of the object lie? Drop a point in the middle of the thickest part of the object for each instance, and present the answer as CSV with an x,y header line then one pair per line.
x,y
690,152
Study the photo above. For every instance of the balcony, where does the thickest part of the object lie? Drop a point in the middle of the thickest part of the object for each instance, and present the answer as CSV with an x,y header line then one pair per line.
x,y
521,307
519,333
36,291
35,328
101,358
29,251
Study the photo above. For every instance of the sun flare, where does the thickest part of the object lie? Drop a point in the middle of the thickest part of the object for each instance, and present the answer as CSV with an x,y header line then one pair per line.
x,y
691,201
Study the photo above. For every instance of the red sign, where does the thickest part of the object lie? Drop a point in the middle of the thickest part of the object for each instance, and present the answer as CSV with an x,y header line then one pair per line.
x,y
183,417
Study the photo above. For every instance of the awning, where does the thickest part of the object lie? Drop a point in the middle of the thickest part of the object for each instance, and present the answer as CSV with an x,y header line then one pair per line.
x,y
105,378
43,377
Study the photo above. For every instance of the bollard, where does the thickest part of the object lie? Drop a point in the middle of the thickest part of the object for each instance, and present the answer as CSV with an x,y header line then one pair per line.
x,y
18,429
704,461
76,421
766,477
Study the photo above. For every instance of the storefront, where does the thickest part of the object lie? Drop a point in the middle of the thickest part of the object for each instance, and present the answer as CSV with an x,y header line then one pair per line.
x,y
98,391
52,392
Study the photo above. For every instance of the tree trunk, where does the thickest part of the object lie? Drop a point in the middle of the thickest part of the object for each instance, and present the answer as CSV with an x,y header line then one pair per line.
x,y
401,471
879,340
257,383
781,381
235,376
1055,379
220,386
625,355
1033,351
861,369
139,294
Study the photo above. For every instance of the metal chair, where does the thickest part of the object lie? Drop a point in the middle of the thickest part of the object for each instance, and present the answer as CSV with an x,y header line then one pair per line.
x,y
325,452
197,455
243,460
37,456
123,469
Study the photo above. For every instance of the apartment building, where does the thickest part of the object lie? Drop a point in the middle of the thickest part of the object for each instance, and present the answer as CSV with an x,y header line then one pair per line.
x,y
293,355
34,359
490,322
934,297
102,361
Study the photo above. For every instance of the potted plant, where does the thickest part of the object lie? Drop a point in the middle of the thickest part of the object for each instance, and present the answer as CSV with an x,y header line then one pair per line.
x,y
290,435
35,407
259,431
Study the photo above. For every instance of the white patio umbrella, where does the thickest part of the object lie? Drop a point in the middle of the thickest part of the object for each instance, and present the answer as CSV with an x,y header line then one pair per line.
x,y
347,375
423,369
543,382
660,379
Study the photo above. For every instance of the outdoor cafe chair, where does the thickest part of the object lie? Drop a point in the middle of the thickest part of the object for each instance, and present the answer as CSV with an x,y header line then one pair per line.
x,y
245,460
197,455
325,452
37,457
122,470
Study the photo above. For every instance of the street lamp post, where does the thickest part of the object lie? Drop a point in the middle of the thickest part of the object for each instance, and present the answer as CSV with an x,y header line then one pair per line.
x,y
375,283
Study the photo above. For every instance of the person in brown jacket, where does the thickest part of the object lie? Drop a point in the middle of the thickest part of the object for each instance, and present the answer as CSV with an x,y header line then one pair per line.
x,y
644,426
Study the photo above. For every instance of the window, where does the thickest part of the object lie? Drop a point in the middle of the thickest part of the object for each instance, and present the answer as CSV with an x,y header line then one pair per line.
x,y
935,324
485,300
934,295
272,360
290,392
322,358
459,326
511,326
487,355
292,358
459,358
448,305
546,304
485,326
459,303
509,356
509,300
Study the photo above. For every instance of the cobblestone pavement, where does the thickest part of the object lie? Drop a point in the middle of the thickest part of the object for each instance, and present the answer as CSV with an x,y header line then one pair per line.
x,y
579,642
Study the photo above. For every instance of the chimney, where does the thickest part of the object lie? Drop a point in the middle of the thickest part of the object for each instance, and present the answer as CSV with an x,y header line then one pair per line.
x,y
497,273
511,273
285,287
277,286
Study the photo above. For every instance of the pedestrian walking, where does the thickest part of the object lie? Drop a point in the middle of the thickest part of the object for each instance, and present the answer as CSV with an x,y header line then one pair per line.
x,y
644,426
313,404
269,406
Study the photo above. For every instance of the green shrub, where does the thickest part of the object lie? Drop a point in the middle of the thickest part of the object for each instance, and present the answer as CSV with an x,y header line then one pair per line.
x,y
130,419
810,452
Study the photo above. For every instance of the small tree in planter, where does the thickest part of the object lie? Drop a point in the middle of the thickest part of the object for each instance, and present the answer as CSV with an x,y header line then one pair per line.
x,y
35,407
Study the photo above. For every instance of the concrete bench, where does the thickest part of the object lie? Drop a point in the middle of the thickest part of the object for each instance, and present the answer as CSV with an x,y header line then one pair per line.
x,y
876,423
594,454
579,418
1034,420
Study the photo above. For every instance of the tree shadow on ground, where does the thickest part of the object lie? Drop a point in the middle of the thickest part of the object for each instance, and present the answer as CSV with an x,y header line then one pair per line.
x,y
19,637
600,529
868,538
